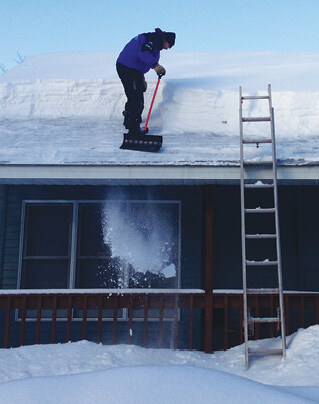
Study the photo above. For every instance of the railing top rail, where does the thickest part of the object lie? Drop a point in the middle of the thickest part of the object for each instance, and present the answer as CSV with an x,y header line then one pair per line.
x,y
101,291
240,292
122,292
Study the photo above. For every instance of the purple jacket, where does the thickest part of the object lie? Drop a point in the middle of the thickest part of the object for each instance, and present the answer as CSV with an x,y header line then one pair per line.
x,y
137,54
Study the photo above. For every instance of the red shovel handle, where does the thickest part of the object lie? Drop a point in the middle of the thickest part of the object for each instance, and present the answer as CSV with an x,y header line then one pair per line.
x,y
149,112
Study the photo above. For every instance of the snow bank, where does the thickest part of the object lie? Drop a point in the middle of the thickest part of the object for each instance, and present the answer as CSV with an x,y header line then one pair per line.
x,y
178,109
144,385
89,372
300,368
60,98
76,99
204,84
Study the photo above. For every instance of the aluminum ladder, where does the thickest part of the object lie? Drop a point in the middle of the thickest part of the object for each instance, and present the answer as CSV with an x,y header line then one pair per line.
x,y
247,185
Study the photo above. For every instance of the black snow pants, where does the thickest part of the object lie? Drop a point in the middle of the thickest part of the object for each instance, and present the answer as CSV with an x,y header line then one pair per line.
x,y
134,87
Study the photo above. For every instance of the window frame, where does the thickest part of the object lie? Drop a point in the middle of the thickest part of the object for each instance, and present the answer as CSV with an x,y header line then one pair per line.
x,y
74,245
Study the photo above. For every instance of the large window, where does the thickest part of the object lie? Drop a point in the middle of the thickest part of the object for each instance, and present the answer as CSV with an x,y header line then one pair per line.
x,y
47,246
97,244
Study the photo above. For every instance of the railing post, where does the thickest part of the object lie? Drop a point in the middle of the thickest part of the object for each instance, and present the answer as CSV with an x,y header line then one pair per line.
x,y
130,319
69,319
208,260
54,309
145,320
39,311
160,340
225,322
8,315
176,300
270,315
115,319
302,311
85,311
191,310
241,320
256,332
23,317
99,321
287,323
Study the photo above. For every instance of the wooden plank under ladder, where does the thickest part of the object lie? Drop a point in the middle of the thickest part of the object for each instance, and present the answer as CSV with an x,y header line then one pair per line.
x,y
269,264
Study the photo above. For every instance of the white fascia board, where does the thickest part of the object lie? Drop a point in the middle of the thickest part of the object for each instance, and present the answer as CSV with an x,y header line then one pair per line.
x,y
63,173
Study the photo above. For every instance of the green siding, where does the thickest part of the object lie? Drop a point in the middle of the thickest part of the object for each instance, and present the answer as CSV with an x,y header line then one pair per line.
x,y
12,240
308,239
3,211
299,228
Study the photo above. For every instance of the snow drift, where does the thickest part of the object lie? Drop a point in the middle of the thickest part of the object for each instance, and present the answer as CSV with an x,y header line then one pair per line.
x,y
64,97
88,372
144,385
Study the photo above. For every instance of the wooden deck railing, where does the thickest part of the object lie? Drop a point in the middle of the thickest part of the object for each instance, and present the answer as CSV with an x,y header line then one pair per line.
x,y
301,310
20,308
17,305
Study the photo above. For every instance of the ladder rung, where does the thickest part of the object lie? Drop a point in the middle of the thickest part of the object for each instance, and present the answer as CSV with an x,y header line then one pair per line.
x,y
257,119
262,291
248,141
259,186
263,320
261,263
257,163
261,210
265,351
256,97
260,236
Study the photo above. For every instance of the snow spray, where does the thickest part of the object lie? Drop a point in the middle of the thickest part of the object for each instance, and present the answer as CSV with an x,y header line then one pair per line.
x,y
140,236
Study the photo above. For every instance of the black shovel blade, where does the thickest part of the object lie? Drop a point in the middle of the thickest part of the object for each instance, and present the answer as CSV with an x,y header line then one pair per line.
x,y
147,143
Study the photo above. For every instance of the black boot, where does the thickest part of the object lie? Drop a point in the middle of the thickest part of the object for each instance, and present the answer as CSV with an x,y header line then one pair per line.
x,y
136,131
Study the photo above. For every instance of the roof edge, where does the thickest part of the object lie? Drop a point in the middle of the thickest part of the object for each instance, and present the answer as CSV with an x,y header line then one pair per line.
x,y
119,174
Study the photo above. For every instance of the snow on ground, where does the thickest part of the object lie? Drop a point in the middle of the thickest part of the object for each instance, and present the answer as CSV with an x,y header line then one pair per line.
x,y
66,108
144,385
95,373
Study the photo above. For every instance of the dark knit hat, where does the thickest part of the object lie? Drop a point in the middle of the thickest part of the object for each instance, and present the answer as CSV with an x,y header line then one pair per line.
x,y
170,38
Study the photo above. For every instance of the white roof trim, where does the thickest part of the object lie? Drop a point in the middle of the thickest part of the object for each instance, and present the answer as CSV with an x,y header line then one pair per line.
x,y
144,174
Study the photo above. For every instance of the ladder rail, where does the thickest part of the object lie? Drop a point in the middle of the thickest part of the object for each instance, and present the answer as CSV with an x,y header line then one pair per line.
x,y
243,227
280,283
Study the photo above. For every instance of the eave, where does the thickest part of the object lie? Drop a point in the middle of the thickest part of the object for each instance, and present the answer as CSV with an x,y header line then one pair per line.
x,y
149,175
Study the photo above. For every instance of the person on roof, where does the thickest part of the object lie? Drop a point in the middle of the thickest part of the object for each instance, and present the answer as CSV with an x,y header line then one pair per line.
x,y
140,55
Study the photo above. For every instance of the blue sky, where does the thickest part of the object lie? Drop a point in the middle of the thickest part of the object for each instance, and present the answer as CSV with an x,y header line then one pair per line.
x,y
32,27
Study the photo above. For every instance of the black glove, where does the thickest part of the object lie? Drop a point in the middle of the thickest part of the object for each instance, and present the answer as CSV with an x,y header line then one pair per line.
x,y
160,70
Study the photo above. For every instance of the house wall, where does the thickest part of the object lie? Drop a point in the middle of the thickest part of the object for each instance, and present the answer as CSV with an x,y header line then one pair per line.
x,y
299,219
299,231
3,205
191,259
299,228
190,198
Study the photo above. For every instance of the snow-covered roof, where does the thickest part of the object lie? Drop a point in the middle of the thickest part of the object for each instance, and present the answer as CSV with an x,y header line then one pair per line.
x,y
64,110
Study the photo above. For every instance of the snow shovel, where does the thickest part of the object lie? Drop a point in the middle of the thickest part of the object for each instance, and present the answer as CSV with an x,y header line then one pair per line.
x,y
148,143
